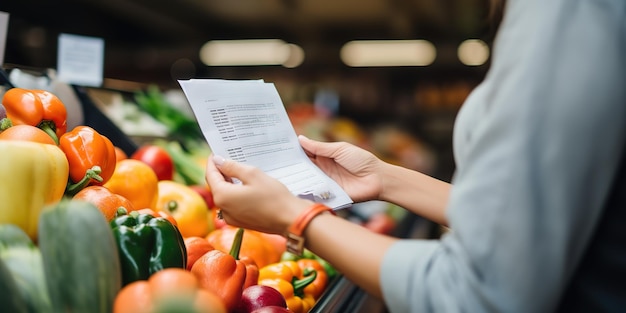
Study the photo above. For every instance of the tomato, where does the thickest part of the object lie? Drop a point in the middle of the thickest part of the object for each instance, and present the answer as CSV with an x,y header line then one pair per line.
x,y
205,192
186,206
380,223
158,159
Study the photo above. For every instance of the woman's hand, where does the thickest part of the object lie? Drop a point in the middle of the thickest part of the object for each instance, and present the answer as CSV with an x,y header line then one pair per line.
x,y
356,170
259,202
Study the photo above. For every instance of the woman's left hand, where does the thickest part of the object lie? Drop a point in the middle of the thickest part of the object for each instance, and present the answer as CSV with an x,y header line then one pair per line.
x,y
257,202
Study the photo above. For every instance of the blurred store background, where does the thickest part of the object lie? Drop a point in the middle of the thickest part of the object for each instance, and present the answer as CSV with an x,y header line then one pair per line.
x,y
403,111
395,108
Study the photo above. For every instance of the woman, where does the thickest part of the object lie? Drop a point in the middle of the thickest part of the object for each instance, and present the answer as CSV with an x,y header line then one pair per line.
x,y
537,202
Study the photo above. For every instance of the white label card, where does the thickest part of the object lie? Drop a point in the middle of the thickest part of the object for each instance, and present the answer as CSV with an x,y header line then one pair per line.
x,y
80,60
4,29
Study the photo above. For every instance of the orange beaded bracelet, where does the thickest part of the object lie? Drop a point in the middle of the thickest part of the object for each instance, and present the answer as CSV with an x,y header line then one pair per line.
x,y
295,239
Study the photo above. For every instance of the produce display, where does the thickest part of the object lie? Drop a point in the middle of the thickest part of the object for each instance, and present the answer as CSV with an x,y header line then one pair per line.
x,y
86,227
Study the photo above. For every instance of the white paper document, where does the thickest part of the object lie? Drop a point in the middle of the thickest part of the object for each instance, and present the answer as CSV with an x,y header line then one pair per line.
x,y
246,121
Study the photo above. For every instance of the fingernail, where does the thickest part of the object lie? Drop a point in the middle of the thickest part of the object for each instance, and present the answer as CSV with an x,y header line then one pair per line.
x,y
218,160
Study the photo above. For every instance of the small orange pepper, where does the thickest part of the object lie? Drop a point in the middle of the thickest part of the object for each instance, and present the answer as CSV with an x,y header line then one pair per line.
x,y
317,287
222,273
38,108
91,157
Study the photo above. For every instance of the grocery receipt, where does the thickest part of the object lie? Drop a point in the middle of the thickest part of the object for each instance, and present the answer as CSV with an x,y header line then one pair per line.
x,y
246,121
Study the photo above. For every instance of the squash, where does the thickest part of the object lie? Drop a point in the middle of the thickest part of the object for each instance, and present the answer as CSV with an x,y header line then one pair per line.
x,y
10,296
23,260
81,263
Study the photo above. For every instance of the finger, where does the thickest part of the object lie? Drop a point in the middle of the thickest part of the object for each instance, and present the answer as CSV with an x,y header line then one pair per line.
x,y
318,148
213,175
308,145
230,168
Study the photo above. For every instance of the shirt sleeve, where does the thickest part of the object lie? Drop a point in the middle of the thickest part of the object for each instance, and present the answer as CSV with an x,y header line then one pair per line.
x,y
534,166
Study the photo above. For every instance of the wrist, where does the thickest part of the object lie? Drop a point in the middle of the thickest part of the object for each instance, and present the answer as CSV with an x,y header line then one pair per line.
x,y
295,231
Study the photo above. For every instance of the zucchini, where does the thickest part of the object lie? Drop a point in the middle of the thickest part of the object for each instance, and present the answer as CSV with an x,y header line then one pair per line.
x,y
10,297
22,259
81,263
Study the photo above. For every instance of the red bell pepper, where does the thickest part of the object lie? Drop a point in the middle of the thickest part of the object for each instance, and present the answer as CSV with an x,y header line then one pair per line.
x,y
91,157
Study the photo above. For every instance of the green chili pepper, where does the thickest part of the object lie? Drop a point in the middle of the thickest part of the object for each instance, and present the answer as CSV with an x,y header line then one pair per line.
x,y
146,244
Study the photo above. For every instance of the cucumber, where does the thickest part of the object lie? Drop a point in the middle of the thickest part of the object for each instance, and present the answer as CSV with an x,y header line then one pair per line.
x,y
80,257
10,297
23,261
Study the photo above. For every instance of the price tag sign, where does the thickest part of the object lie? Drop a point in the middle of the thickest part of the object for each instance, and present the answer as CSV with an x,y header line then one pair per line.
x,y
4,27
80,60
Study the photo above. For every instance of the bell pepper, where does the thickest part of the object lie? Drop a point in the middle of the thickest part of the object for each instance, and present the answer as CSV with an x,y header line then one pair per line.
x,y
223,273
106,201
317,287
91,157
32,175
256,245
146,245
36,108
136,181
186,206
330,270
291,281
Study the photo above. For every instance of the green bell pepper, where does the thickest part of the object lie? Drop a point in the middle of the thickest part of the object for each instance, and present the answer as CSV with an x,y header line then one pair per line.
x,y
146,244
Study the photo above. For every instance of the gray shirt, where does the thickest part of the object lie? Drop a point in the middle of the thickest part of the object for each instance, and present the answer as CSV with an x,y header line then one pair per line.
x,y
537,148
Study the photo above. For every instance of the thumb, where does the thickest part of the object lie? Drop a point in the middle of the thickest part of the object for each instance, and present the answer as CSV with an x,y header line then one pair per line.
x,y
318,148
232,169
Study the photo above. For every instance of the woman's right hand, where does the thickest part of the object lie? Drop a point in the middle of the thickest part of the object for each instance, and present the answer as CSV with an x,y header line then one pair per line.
x,y
355,169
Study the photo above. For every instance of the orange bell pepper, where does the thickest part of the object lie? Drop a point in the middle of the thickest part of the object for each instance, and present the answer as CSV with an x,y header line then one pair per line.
x,y
91,156
255,245
106,201
223,273
317,287
36,108
136,181
291,281
165,290
252,272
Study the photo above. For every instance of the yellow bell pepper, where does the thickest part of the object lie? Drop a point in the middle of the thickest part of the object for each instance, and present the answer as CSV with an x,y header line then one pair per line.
x,y
186,206
32,175
291,281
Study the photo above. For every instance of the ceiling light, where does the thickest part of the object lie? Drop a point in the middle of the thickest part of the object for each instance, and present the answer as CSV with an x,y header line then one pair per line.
x,y
296,56
244,52
473,52
388,53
